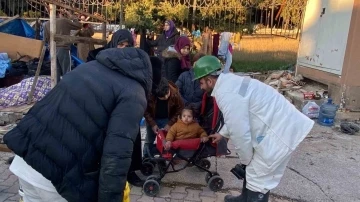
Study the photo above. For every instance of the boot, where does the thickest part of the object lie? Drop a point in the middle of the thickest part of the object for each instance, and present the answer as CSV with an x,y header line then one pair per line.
x,y
241,198
257,196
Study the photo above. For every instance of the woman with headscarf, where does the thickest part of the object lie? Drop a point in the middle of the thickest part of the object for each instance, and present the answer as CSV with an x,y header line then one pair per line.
x,y
177,59
166,39
120,39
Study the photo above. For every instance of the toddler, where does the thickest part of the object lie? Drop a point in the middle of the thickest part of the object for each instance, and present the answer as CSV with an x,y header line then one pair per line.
x,y
185,128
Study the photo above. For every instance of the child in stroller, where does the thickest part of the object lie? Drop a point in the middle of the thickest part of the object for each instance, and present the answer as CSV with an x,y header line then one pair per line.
x,y
186,141
185,128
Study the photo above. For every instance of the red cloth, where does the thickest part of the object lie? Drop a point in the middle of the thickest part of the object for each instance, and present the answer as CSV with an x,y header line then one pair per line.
x,y
230,48
216,113
216,110
188,144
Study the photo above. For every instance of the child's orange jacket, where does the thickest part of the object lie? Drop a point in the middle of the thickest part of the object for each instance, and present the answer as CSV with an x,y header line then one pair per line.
x,y
181,131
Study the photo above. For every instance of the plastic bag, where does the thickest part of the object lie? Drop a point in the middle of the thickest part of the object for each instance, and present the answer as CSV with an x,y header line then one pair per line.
x,y
311,110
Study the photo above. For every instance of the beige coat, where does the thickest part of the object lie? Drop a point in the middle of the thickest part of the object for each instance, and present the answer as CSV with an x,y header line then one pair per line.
x,y
83,48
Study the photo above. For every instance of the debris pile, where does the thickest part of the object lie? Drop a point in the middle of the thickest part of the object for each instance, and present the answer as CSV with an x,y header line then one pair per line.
x,y
285,80
8,121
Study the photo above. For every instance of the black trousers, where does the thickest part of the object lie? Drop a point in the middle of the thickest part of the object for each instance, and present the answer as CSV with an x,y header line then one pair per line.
x,y
136,157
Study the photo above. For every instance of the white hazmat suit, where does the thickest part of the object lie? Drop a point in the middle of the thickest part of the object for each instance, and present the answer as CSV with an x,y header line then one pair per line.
x,y
264,127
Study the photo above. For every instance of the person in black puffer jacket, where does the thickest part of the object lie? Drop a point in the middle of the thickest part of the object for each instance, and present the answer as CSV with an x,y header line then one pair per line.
x,y
189,88
121,39
80,136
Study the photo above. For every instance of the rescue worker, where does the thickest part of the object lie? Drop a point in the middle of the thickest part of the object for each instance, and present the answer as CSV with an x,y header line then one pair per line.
x,y
264,127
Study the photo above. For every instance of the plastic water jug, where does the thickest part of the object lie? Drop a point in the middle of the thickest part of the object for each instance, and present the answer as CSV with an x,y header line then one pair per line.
x,y
327,113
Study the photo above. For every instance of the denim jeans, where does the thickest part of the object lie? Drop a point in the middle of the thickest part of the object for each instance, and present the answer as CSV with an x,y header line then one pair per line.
x,y
149,146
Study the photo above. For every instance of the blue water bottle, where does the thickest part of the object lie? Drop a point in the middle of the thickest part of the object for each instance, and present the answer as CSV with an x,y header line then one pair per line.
x,y
327,113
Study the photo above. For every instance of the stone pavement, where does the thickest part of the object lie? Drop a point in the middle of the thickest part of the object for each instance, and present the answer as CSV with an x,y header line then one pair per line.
x,y
8,182
185,193
325,167
169,193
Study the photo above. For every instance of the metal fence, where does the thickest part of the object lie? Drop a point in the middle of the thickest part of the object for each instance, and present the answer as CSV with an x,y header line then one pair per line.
x,y
221,15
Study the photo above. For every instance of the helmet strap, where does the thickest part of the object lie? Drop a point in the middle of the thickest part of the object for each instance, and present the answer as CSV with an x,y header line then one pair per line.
x,y
216,73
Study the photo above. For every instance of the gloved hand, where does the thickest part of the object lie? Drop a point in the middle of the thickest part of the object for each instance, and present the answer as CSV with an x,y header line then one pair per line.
x,y
239,171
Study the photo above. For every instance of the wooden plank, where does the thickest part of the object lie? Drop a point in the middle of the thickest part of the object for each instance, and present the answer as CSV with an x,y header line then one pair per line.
x,y
4,148
9,20
18,109
104,31
37,29
75,39
16,45
53,45
68,7
41,59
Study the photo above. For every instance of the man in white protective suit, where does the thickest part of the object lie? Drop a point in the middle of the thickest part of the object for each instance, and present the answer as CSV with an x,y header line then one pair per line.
x,y
264,127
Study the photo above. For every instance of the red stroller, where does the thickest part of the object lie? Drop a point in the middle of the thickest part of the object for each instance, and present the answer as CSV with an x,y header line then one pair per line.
x,y
192,151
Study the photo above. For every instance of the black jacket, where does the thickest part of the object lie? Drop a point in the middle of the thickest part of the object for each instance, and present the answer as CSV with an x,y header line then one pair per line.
x,y
190,90
80,136
161,42
172,64
93,53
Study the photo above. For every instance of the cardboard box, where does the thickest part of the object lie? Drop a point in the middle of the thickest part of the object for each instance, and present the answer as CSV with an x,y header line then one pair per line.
x,y
16,46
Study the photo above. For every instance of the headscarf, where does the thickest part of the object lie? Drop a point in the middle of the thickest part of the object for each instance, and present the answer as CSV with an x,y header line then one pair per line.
x,y
180,43
120,36
171,29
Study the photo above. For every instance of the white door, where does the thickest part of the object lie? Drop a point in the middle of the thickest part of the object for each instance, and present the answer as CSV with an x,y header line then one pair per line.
x,y
325,34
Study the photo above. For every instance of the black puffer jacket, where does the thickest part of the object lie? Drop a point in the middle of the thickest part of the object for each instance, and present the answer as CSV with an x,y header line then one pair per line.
x,y
172,64
80,136
190,90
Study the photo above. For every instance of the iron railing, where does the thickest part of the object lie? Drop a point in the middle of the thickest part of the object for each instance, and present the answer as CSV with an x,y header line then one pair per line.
x,y
229,15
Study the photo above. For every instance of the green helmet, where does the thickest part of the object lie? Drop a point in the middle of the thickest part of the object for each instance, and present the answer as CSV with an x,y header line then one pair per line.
x,y
206,65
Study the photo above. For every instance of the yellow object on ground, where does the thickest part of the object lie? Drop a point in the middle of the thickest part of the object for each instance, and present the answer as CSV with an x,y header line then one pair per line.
x,y
127,193
125,199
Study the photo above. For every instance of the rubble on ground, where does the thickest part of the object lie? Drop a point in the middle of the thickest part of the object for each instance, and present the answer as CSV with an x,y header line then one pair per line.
x,y
285,80
8,121
7,118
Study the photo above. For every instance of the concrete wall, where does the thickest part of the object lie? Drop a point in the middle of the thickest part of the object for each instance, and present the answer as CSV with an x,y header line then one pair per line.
x,y
344,89
350,78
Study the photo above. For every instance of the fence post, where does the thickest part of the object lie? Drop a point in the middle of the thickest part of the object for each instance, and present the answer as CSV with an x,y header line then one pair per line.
x,y
122,14
272,16
53,45
104,31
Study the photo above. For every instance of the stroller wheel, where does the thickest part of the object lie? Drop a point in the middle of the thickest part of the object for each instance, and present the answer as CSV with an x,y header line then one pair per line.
x,y
147,168
205,164
147,160
208,176
151,188
152,177
216,183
